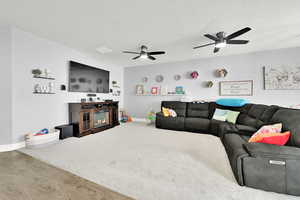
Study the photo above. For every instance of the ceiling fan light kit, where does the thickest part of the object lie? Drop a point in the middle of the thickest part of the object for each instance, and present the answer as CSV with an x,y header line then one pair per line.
x,y
221,40
144,54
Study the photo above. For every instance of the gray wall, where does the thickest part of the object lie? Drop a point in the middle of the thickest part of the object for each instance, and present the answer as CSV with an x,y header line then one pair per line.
x,y
240,67
33,112
5,85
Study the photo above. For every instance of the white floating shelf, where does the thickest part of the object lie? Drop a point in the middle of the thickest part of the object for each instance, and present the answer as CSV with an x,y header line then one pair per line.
x,y
160,94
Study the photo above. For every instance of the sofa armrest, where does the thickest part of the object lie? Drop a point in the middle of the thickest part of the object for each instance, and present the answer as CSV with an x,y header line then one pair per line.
x,y
262,150
159,114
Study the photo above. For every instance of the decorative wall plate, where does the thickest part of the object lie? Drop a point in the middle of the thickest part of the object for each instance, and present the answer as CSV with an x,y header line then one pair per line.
x,y
177,77
159,78
145,79
194,75
209,84
221,72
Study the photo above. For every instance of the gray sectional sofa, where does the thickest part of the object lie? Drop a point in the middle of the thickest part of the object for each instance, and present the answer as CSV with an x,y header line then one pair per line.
x,y
262,166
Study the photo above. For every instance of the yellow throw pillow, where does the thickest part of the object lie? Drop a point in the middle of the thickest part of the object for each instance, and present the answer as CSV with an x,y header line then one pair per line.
x,y
165,112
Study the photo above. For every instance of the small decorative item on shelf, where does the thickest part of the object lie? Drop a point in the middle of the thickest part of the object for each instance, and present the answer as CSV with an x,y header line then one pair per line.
x,y
50,87
37,88
159,78
177,77
115,84
139,89
164,91
179,90
154,90
221,72
36,72
194,75
46,73
209,84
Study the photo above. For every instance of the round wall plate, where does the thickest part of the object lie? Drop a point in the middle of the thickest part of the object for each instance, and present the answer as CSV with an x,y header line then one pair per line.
x,y
145,79
159,78
177,77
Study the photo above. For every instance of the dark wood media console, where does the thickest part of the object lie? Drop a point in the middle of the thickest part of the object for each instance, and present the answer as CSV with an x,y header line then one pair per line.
x,y
93,117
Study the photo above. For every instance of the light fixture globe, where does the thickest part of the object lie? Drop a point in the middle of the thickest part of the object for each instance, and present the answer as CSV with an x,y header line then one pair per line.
x,y
221,44
144,55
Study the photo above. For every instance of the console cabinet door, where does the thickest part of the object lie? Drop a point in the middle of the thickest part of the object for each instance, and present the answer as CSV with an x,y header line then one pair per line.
x,y
86,121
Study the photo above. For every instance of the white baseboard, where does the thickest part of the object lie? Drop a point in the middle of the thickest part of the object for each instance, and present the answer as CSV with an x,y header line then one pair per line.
x,y
11,147
139,119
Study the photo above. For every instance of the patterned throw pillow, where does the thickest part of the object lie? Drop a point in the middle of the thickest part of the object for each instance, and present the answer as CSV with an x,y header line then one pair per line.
x,y
172,113
272,138
275,128
167,112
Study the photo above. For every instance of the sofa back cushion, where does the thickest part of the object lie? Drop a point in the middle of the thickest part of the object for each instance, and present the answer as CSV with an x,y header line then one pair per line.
x,y
177,106
256,115
290,119
198,110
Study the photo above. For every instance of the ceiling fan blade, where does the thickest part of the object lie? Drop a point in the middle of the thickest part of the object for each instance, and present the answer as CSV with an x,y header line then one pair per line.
x,y
237,41
211,37
238,33
204,45
156,52
216,50
136,57
151,57
131,52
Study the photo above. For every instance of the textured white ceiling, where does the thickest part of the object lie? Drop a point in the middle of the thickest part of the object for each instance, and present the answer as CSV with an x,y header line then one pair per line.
x,y
174,26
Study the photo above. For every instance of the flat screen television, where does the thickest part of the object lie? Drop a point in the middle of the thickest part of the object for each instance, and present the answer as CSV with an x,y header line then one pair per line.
x,y
84,78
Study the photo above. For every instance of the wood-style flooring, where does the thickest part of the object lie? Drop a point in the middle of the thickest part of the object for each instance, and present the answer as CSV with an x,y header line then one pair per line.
x,y
25,178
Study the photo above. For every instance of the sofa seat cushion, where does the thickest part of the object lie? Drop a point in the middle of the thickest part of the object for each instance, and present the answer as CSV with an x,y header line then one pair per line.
x,y
233,144
262,150
172,123
199,125
220,128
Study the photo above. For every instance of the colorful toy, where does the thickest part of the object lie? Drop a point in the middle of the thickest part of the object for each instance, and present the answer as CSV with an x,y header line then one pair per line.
x,y
151,116
42,132
125,117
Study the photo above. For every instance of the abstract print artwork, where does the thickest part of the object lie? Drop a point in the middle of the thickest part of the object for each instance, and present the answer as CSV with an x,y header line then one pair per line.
x,y
282,78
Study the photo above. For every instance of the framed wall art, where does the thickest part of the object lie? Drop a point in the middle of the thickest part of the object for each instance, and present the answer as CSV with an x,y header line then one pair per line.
x,y
236,88
154,90
139,90
282,78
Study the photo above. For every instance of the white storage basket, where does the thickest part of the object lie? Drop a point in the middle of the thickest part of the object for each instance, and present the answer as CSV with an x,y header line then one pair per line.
x,y
42,140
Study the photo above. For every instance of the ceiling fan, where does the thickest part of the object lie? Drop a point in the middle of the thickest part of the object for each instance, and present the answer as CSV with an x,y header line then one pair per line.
x,y
145,54
221,40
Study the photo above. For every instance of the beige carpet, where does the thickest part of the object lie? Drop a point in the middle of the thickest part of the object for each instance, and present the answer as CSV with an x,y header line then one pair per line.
x,y
152,164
